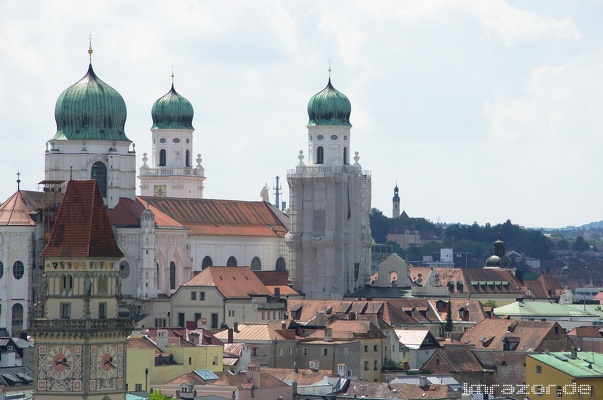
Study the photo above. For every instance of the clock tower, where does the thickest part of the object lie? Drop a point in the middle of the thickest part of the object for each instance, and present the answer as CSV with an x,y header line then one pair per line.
x,y
80,346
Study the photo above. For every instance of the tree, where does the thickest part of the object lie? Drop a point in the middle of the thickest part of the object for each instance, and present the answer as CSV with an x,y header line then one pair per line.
x,y
157,395
563,244
580,245
448,327
490,303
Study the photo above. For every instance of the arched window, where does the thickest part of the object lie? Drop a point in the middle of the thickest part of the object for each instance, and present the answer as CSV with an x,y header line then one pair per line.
x,y
18,270
232,262
320,155
345,156
172,275
17,320
158,277
99,174
103,285
256,264
187,158
124,269
66,282
162,158
207,262
280,264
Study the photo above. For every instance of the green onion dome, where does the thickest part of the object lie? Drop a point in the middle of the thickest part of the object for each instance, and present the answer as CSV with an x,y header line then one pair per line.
x,y
172,111
329,107
90,110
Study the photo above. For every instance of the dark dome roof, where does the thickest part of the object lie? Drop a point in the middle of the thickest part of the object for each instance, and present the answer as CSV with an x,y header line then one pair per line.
x,y
90,110
329,107
172,111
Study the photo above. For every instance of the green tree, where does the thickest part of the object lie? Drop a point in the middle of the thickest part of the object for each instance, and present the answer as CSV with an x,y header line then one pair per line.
x,y
580,245
448,327
490,303
157,395
563,244
430,247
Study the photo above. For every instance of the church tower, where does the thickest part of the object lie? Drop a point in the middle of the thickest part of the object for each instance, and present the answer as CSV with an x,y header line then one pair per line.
x,y
330,203
396,203
171,173
80,341
90,142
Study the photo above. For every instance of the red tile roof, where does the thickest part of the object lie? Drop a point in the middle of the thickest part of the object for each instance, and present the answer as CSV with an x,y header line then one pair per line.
x,y
127,213
82,228
232,282
222,217
276,279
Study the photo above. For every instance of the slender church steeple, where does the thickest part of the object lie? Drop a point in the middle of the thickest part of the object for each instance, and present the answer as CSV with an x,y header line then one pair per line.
x,y
396,203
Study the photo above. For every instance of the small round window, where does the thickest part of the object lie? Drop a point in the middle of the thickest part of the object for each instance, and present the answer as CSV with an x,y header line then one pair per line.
x,y
334,137
176,140
162,140
18,270
124,269
320,137
188,141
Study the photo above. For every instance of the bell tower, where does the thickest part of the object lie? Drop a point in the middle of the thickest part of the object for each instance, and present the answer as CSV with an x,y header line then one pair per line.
x,y
330,204
80,347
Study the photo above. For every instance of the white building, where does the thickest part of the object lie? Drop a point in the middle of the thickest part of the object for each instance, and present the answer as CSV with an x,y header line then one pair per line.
x,y
330,204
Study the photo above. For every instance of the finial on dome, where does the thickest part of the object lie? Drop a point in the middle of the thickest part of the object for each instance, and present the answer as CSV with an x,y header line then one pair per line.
x,y
18,181
172,75
90,47
329,69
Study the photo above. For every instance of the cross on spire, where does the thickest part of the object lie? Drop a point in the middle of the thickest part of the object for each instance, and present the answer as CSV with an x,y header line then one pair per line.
x,y
90,47
18,181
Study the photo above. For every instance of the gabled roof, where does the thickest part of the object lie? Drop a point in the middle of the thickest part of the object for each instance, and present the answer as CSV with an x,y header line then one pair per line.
x,y
276,279
252,333
586,331
382,390
127,214
187,378
414,338
538,309
82,228
458,359
491,334
544,287
232,282
303,377
222,217
143,343
476,310
241,382
17,210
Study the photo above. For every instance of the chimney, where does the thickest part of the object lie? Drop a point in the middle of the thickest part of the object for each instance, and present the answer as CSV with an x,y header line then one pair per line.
x,y
352,316
283,325
320,318
230,335
194,338
328,334
253,374
162,339
277,294
294,386
236,326
314,365
423,381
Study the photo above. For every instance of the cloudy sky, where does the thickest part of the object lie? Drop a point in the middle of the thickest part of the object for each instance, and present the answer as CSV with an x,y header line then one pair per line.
x,y
480,110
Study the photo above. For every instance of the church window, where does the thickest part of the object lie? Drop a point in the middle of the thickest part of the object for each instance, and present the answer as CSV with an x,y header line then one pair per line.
x,y
124,269
345,156
280,264
232,262
162,158
99,174
17,319
65,310
18,269
187,158
256,264
320,137
102,310
1,269
320,155
158,274
334,137
162,140
176,140
356,271
207,262
172,275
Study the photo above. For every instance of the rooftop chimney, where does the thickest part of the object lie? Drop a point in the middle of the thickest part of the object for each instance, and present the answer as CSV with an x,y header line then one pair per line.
x,y
230,335
194,338
277,294
352,316
161,339
253,374
320,318
236,326
328,334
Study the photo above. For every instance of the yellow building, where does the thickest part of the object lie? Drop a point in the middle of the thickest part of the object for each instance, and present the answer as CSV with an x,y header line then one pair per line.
x,y
161,360
564,375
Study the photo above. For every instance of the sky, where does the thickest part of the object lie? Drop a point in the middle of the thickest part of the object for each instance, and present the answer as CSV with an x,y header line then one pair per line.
x,y
480,111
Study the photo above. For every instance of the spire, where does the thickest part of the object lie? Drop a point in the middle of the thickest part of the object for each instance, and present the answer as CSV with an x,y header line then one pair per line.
x,y
18,181
172,76
90,47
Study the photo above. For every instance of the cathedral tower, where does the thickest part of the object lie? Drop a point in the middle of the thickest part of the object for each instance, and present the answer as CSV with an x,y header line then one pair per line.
x,y
330,204
90,142
80,347
396,203
171,173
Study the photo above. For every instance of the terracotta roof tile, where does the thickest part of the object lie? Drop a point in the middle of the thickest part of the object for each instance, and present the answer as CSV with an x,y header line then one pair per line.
x,y
252,333
302,376
457,359
232,282
276,279
222,217
16,210
187,378
82,228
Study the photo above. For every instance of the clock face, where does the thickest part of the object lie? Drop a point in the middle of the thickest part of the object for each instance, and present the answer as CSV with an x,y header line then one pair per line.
x,y
60,362
160,191
109,361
